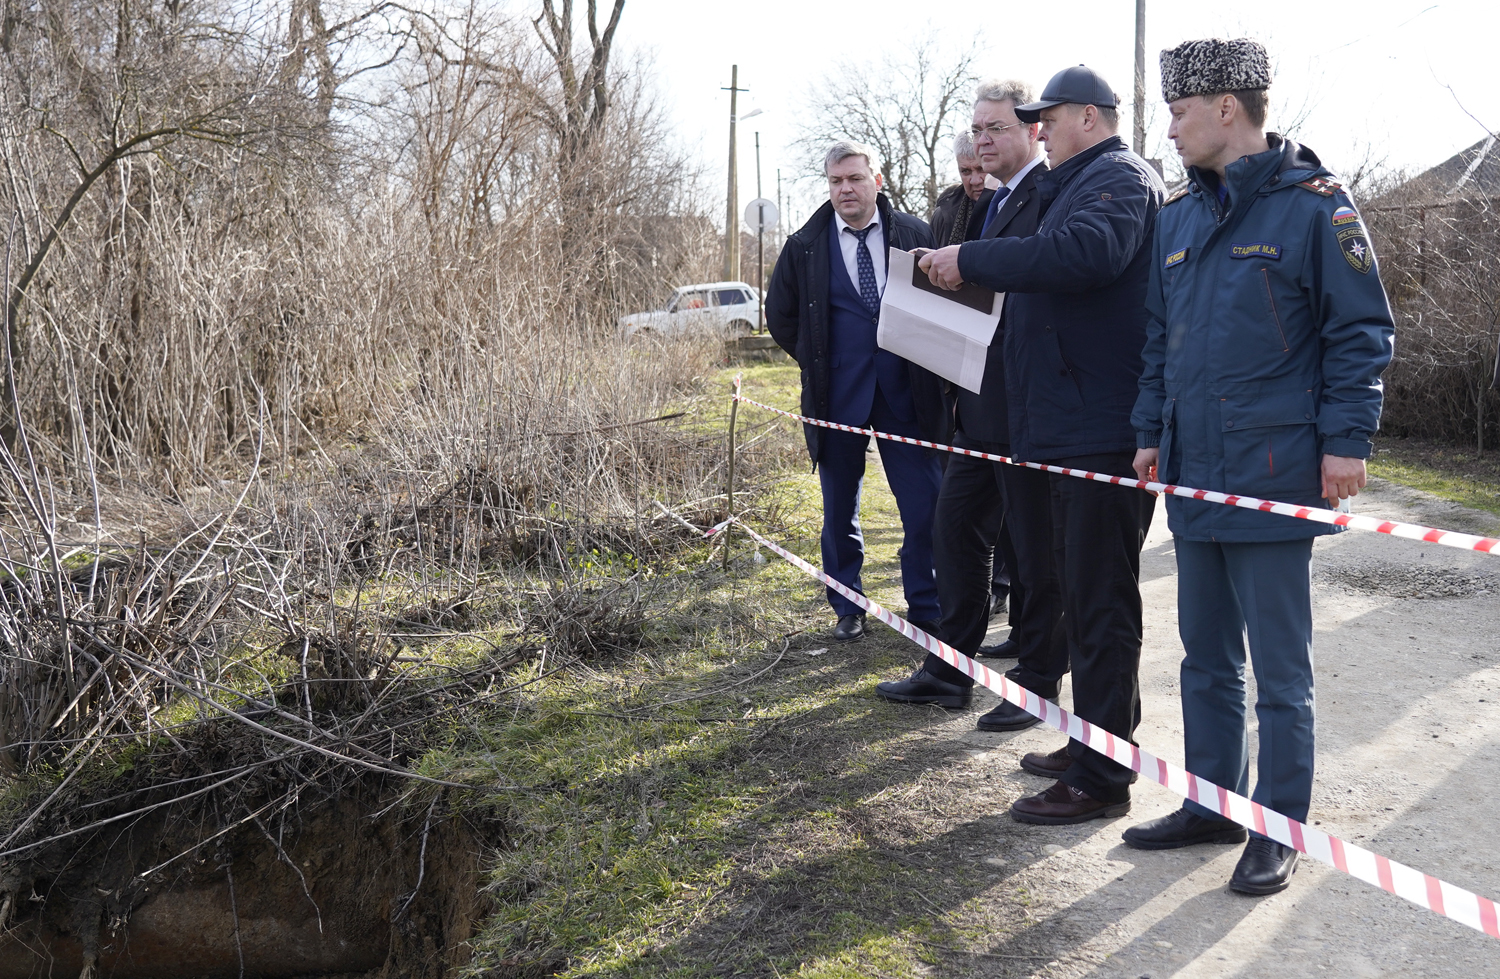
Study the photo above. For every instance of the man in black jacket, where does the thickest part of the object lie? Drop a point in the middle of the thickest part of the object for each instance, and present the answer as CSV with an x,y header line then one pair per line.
x,y
1075,327
980,497
959,211
823,307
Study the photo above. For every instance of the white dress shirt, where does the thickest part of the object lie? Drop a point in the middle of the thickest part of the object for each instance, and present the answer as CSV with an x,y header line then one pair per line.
x,y
875,241
1015,181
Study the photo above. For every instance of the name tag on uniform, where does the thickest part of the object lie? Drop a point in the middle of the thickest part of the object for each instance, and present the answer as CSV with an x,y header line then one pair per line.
x,y
1256,249
1176,258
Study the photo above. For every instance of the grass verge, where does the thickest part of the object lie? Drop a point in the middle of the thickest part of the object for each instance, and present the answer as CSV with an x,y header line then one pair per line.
x,y
736,801
1454,473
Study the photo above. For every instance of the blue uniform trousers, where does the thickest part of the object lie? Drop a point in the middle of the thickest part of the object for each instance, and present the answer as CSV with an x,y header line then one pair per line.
x,y
1224,593
914,475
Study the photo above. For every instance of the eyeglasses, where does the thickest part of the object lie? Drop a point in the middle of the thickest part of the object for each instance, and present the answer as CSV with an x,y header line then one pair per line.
x,y
993,131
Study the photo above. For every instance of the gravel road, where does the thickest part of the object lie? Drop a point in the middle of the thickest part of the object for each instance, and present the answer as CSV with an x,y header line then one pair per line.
x,y
1408,691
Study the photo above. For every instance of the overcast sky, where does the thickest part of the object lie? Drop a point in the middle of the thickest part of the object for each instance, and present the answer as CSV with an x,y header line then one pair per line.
x,y
1375,75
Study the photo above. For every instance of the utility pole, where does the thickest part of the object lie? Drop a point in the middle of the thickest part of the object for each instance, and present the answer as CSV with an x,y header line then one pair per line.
x,y
760,244
732,212
1140,78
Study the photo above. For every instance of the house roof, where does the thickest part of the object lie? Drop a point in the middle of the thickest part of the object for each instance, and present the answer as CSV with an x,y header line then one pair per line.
x,y
1471,172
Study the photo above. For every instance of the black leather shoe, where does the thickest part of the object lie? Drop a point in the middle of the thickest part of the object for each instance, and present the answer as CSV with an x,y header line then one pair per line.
x,y
924,688
1006,649
850,627
1264,868
1009,717
999,604
1182,828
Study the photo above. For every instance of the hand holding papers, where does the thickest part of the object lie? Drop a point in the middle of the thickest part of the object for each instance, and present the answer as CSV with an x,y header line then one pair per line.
x,y
946,332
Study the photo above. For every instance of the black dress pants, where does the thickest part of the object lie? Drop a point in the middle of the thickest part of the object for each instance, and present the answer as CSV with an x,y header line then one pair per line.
x,y
974,505
1042,660
1098,531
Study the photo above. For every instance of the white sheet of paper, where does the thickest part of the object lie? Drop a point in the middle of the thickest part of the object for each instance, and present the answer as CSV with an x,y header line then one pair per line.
x,y
946,337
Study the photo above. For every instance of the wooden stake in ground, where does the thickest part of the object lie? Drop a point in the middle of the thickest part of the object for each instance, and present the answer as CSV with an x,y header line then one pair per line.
x,y
734,410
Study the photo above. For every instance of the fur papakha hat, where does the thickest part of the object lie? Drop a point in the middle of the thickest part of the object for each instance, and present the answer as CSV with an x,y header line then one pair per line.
x,y
1213,65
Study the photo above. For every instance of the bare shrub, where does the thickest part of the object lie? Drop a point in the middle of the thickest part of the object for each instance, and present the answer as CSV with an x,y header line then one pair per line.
x,y
1439,251
304,392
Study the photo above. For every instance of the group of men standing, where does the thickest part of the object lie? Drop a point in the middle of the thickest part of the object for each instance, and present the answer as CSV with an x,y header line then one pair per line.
x,y
1230,338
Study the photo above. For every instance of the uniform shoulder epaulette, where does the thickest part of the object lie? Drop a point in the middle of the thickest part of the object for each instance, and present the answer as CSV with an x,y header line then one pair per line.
x,y
1322,185
1175,197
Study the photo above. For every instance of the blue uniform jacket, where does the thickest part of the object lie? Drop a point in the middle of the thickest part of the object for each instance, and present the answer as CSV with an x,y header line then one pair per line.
x,y
1268,332
1075,316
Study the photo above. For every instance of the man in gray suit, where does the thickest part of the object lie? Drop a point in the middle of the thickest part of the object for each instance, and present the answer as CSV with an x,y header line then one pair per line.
x,y
977,494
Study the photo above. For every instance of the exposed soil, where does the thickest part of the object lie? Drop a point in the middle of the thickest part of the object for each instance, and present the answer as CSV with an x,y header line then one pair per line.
x,y
343,891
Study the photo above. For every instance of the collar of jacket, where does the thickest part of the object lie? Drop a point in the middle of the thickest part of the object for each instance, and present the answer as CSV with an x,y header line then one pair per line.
x,y
1051,182
1285,164
818,223
950,196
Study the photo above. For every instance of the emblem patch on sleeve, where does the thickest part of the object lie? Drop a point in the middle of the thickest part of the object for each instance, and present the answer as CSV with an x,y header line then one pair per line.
x,y
1256,249
1176,258
1356,248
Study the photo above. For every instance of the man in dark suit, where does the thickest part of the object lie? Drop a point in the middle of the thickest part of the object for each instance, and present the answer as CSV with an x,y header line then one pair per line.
x,y
979,497
1075,325
959,216
823,307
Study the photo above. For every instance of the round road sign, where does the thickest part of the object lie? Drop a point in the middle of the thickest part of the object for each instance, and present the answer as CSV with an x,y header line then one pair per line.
x,y
761,215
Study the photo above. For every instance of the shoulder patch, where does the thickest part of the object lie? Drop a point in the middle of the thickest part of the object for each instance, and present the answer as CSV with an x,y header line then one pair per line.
x,y
1356,249
1175,197
1322,185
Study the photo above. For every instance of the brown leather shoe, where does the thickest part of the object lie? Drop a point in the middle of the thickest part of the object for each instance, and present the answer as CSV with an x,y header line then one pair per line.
x,y
1052,764
1062,804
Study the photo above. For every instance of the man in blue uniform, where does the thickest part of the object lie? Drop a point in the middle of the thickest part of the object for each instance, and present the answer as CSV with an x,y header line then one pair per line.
x,y
823,307
1268,331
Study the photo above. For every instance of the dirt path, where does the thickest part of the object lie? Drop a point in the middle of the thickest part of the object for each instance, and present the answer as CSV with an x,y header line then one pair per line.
x,y
1408,687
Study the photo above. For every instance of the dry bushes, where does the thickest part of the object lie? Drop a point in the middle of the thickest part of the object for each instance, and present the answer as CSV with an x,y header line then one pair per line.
x,y
1440,263
195,274
304,394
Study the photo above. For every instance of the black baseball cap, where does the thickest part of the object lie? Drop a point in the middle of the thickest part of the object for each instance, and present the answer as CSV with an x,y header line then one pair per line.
x,y
1080,85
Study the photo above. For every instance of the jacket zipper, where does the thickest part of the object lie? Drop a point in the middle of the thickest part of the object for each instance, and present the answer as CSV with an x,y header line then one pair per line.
x,y
1266,277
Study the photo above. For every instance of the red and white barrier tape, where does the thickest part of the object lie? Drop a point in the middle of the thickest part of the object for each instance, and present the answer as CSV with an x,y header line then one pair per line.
x,y
1421,889
1411,531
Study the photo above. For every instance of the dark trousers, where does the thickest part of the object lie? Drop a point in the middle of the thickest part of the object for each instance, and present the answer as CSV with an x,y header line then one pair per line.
x,y
1226,592
967,539
914,475
1098,530
1042,660
1002,578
